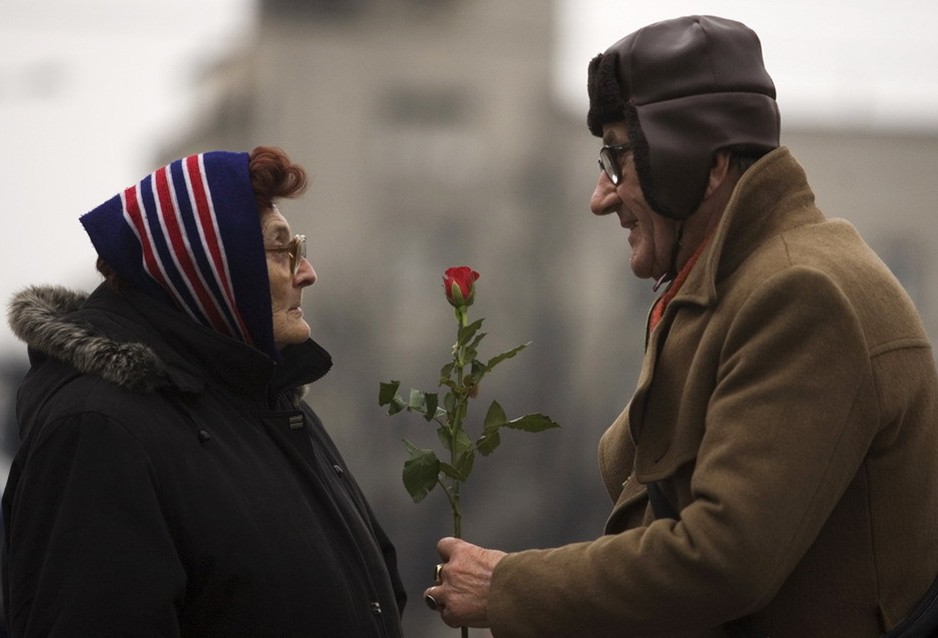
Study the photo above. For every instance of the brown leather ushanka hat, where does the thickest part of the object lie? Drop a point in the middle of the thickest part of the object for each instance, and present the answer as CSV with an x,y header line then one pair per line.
x,y
685,88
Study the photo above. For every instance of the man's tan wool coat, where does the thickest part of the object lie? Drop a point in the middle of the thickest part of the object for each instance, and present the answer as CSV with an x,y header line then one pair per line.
x,y
787,406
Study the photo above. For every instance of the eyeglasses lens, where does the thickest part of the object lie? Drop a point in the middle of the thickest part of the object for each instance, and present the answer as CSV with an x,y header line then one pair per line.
x,y
297,252
609,162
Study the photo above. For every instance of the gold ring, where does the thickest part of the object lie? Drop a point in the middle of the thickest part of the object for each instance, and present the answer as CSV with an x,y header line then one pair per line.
x,y
437,574
432,604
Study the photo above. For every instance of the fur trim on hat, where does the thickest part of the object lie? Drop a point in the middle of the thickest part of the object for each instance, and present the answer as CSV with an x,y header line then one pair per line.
x,y
607,103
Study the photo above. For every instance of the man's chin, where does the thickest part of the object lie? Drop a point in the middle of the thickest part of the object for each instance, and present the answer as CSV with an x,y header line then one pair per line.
x,y
641,271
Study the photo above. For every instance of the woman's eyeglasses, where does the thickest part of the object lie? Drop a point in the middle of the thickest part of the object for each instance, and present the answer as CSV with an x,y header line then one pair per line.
x,y
296,249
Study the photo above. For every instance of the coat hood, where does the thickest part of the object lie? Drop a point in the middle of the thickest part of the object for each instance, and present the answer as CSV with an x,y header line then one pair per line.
x,y
40,317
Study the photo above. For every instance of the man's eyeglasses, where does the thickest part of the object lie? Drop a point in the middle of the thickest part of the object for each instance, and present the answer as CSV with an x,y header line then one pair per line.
x,y
296,249
610,163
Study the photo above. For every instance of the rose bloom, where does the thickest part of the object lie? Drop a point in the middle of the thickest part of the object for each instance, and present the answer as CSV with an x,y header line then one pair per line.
x,y
459,284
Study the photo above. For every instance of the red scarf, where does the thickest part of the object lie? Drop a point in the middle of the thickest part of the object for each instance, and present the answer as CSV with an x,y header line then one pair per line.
x,y
657,311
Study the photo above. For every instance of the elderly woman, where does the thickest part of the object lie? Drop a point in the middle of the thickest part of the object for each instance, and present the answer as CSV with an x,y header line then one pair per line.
x,y
171,481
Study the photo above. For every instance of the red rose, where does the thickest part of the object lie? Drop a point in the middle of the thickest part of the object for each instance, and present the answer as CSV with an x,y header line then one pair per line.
x,y
459,284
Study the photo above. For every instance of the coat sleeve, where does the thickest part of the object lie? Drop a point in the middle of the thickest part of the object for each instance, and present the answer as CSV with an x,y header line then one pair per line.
x,y
787,426
88,552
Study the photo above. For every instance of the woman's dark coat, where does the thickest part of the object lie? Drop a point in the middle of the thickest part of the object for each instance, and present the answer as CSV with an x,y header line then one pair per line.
x,y
170,482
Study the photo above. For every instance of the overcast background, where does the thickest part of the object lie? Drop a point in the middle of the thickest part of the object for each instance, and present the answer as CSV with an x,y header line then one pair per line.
x,y
79,122
93,93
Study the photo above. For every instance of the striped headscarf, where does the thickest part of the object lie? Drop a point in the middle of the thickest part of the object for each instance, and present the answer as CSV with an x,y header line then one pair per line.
x,y
189,234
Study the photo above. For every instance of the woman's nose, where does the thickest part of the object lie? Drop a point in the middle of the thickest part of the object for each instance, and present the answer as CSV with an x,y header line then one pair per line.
x,y
305,274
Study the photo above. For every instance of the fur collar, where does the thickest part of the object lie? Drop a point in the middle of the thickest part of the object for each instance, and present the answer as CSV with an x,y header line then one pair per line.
x,y
39,316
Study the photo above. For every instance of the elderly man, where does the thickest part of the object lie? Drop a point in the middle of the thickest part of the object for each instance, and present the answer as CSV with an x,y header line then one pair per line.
x,y
776,470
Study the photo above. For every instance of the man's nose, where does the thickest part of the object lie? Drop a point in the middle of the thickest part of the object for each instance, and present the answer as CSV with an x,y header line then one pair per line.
x,y
604,197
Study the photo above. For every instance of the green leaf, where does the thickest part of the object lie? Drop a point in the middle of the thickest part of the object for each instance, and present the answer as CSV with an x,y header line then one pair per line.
x,y
387,391
508,354
467,333
421,471
416,402
431,402
455,442
451,472
494,418
460,472
488,442
387,395
491,439
473,378
470,350
532,423
447,371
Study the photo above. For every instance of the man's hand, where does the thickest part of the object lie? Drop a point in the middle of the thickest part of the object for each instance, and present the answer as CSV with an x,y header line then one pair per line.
x,y
461,593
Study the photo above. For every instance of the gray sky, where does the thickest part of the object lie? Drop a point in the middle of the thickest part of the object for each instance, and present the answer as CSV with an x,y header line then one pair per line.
x,y
835,62
88,88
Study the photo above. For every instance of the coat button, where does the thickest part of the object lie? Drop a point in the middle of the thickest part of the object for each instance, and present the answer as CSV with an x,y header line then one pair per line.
x,y
338,470
376,608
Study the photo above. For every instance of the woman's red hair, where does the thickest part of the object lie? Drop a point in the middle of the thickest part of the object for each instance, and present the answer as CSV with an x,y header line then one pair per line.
x,y
274,176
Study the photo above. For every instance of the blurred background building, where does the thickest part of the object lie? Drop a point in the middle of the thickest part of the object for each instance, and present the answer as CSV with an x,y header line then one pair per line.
x,y
439,133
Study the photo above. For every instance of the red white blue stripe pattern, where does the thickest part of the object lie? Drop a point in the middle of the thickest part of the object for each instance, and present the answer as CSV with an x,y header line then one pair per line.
x,y
189,234
172,215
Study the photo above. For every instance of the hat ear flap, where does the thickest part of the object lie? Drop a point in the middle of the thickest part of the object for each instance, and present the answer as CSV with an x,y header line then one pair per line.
x,y
641,159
